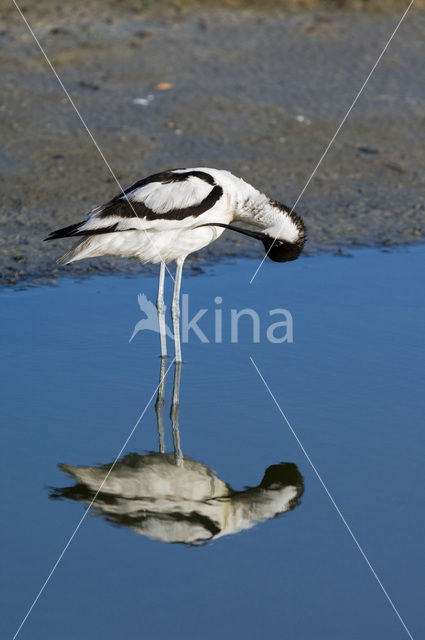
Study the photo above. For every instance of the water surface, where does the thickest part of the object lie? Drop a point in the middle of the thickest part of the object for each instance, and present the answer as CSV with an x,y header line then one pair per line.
x,y
237,544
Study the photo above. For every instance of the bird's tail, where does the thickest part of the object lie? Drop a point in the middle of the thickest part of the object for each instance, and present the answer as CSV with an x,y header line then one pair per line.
x,y
85,249
67,257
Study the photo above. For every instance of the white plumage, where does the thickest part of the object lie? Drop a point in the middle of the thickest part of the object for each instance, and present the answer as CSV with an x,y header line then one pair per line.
x,y
184,503
167,216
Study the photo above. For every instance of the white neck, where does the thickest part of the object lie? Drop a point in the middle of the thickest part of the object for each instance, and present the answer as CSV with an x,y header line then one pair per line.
x,y
253,207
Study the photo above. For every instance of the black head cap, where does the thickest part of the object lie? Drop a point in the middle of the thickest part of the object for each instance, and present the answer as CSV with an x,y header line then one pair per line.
x,y
281,250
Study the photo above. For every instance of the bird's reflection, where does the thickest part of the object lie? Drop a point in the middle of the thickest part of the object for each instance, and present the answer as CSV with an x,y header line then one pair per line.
x,y
172,498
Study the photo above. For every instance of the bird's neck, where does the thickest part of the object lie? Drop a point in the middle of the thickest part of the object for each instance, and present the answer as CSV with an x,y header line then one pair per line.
x,y
254,208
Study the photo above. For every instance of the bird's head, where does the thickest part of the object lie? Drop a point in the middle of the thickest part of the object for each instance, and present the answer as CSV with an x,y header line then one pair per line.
x,y
280,250
283,239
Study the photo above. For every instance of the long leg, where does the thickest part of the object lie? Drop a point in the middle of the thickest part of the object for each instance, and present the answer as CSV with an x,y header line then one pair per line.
x,y
174,414
175,310
160,404
161,308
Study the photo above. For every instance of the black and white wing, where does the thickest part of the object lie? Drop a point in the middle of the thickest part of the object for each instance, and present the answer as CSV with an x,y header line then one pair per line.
x,y
171,196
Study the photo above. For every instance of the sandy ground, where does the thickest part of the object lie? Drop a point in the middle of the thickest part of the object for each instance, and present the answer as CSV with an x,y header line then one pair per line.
x,y
258,93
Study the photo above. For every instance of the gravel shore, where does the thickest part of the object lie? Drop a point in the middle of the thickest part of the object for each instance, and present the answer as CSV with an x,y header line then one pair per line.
x,y
258,93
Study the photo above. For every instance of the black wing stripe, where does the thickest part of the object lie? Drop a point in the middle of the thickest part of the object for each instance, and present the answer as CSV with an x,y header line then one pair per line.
x,y
122,209
166,177
66,232
72,231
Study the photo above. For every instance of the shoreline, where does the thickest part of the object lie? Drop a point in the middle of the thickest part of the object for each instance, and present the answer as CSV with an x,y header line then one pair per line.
x,y
258,93
132,269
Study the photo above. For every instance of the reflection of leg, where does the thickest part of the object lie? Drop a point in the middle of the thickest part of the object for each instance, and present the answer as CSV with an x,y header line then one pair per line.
x,y
174,414
160,404
160,305
175,310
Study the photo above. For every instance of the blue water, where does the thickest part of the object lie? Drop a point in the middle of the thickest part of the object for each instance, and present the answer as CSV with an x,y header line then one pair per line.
x,y
351,386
